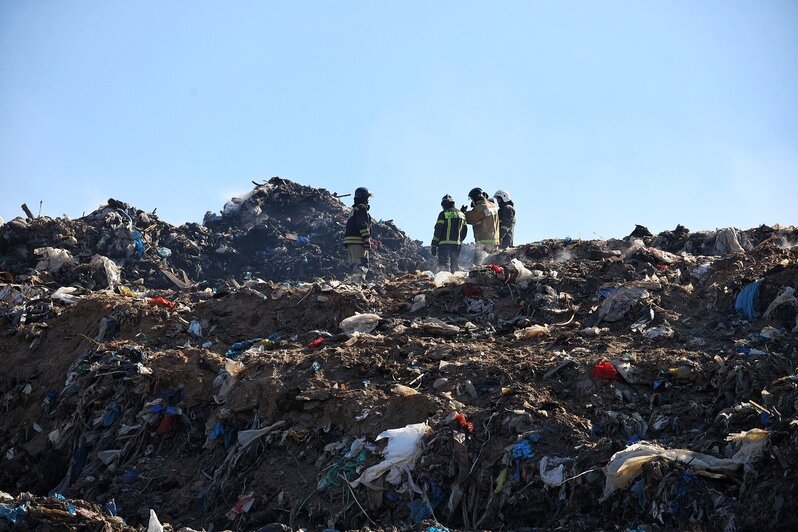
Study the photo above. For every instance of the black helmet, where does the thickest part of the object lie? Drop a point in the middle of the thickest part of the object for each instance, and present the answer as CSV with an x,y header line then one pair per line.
x,y
447,201
475,194
362,194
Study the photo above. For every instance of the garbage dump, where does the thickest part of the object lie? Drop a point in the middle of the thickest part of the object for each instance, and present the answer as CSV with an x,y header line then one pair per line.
x,y
565,384
280,230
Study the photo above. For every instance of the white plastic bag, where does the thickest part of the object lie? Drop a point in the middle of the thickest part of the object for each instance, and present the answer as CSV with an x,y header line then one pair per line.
x,y
65,295
112,272
419,302
360,323
53,258
399,455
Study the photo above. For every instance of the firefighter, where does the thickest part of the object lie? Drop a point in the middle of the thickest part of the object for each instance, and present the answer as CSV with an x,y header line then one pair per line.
x,y
506,219
450,231
484,216
357,238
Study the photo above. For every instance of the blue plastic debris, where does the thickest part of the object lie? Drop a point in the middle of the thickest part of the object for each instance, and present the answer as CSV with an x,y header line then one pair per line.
x,y
437,529
746,300
419,509
136,236
523,449
110,507
606,292
751,351
49,402
302,240
237,347
14,513
216,431
634,439
111,415
764,419
130,476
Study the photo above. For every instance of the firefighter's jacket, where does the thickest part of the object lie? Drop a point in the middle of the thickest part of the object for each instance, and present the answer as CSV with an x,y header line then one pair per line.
x,y
506,224
450,228
358,226
484,216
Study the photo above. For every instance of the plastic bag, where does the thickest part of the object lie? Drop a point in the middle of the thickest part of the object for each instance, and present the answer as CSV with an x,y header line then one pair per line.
x,y
605,370
552,471
360,323
65,294
195,329
532,332
399,455
620,302
154,525
786,296
746,301
53,258
419,302
520,273
113,273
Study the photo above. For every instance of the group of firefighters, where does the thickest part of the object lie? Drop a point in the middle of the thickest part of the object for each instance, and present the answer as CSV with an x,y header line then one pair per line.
x,y
493,219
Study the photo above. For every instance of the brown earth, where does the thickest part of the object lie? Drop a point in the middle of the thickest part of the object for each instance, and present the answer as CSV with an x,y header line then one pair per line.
x,y
689,388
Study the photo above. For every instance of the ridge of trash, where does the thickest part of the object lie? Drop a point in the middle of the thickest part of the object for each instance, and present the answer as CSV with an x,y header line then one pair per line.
x,y
643,383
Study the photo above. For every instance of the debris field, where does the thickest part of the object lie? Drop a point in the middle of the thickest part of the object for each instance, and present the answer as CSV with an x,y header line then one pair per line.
x,y
227,376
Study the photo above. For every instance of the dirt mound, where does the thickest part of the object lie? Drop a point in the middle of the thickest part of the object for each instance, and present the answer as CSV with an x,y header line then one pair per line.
x,y
602,385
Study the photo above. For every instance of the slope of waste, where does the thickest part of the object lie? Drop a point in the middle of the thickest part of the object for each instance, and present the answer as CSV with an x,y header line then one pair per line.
x,y
280,230
649,383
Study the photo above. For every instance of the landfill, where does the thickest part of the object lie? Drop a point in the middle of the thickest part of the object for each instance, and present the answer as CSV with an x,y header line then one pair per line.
x,y
230,376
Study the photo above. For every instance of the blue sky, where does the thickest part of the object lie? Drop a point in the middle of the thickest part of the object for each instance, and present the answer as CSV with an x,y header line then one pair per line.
x,y
593,115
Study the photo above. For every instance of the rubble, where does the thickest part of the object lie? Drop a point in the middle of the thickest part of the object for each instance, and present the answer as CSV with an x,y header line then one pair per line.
x,y
588,385
280,230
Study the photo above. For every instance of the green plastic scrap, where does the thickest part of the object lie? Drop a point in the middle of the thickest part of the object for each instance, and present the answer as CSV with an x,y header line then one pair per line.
x,y
343,467
500,480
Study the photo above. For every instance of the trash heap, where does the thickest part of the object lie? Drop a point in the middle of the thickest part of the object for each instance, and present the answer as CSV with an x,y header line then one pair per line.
x,y
279,231
588,385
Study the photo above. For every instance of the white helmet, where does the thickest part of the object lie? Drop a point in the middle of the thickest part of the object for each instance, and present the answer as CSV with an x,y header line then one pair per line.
x,y
502,195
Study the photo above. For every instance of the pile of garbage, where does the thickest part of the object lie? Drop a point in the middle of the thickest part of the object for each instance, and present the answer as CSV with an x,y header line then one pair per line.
x,y
587,385
279,231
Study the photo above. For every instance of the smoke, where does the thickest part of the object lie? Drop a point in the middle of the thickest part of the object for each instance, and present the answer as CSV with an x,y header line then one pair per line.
x,y
562,255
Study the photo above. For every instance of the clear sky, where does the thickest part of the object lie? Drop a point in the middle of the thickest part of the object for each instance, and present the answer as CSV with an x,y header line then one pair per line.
x,y
594,115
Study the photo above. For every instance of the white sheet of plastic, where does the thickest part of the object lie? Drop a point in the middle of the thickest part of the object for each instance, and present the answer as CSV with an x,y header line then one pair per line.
x,y
112,272
625,466
360,323
399,455
154,525
52,259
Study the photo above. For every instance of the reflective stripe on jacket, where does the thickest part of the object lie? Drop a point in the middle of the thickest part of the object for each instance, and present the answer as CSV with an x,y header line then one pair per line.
x,y
358,226
450,228
484,216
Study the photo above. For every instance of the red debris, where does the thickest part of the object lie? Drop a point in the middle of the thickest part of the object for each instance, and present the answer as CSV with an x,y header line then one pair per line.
x,y
605,370
463,422
495,268
317,342
162,302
